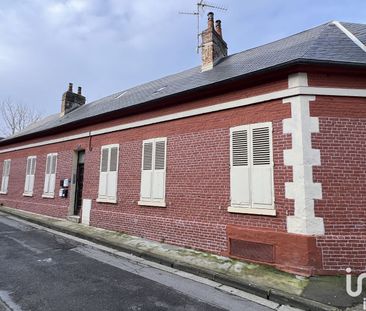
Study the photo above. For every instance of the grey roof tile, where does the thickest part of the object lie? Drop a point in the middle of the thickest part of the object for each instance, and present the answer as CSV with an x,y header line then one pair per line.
x,y
325,43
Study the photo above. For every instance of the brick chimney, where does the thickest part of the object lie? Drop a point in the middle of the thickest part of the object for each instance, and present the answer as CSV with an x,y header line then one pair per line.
x,y
213,45
71,100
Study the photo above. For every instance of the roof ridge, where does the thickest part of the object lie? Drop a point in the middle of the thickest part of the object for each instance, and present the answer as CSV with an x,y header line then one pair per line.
x,y
350,35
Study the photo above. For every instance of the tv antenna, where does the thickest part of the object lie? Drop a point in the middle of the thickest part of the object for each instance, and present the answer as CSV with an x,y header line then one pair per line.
x,y
200,8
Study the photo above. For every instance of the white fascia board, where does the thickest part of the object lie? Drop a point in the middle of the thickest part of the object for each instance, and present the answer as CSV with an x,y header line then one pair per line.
x,y
294,91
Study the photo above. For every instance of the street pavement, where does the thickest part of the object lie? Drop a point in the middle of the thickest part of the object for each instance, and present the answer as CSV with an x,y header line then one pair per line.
x,y
40,270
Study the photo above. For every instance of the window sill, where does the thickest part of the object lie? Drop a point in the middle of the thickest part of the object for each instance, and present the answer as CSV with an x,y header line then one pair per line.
x,y
48,196
254,211
110,201
152,203
27,194
2,192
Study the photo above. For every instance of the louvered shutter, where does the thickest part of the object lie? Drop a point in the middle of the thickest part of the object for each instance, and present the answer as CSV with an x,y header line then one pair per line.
x,y
27,175
147,169
103,177
239,172
158,183
53,166
112,174
262,167
5,163
5,177
32,174
47,174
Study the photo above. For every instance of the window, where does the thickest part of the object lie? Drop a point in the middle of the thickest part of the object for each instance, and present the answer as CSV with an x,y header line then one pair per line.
x,y
5,177
50,176
29,176
153,172
108,174
251,174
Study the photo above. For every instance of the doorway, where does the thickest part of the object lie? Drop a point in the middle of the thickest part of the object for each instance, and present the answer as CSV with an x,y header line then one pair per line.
x,y
79,182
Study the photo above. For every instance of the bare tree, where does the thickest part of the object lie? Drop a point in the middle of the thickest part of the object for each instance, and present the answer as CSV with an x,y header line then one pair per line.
x,y
16,116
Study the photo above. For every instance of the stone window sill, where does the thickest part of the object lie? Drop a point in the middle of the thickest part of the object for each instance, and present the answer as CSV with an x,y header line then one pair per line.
x,y
108,201
48,196
152,203
254,211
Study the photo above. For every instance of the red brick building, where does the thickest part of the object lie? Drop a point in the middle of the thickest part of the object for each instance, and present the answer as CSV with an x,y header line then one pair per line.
x,y
258,155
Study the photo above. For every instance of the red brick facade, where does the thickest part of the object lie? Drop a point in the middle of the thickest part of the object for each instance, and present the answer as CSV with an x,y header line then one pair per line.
x,y
198,176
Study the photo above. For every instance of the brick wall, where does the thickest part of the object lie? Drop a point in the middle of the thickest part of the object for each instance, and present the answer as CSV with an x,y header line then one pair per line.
x,y
342,144
197,183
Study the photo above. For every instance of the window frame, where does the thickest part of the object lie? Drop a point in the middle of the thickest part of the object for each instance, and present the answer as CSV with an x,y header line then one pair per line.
x,y
102,198
50,195
27,193
268,210
3,176
151,201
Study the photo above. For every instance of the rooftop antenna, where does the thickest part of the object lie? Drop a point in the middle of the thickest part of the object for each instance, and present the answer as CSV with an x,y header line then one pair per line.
x,y
200,8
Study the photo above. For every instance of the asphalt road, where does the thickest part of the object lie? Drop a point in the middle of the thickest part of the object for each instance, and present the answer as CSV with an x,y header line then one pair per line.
x,y
44,271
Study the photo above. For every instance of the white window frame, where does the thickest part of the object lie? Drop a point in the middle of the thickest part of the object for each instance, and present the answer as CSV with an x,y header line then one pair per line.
x,y
108,176
5,176
30,173
250,207
50,178
151,201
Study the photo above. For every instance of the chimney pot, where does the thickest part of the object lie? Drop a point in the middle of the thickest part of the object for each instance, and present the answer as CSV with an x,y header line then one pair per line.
x,y
210,20
79,90
70,87
218,28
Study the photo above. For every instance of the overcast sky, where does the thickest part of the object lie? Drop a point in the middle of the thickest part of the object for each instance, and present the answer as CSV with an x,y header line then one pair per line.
x,y
106,46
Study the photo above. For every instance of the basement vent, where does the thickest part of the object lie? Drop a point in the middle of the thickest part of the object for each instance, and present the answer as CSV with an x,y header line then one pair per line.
x,y
252,250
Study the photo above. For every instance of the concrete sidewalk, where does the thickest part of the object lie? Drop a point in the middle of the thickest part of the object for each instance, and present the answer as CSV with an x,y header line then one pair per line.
x,y
316,293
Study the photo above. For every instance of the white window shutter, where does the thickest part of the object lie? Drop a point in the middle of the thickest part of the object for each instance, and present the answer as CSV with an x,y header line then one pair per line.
x,y
52,184
239,171
112,174
32,174
158,187
5,176
47,174
103,177
262,166
27,175
146,171
50,176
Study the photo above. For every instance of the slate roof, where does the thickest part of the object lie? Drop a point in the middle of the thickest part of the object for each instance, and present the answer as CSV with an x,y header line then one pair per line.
x,y
326,43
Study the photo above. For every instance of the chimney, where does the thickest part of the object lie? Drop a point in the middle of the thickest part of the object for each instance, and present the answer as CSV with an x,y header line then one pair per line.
x,y
213,45
71,100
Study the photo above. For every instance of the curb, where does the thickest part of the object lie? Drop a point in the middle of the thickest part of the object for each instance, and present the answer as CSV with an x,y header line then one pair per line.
x,y
280,297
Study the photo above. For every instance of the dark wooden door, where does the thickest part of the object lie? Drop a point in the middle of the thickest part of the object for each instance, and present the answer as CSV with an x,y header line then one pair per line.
x,y
79,183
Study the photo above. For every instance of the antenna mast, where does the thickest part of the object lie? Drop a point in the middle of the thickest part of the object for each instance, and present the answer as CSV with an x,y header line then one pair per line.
x,y
201,5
